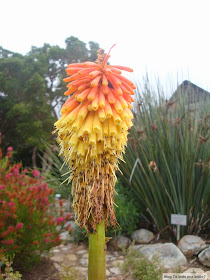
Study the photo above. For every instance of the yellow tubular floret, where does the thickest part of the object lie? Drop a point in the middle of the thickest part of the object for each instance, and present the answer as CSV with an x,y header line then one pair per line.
x,y
88,127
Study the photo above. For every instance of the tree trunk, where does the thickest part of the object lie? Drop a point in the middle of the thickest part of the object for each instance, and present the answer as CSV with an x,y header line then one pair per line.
x,y
34,158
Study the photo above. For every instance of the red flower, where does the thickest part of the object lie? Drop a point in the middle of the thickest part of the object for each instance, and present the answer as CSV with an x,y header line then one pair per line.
x,y
2,187
61,203
35,173
47,240
60,220
19,225
10,228
10,242
11,204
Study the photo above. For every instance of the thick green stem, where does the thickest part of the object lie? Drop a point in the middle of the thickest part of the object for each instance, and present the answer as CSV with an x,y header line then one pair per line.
x,y
97,254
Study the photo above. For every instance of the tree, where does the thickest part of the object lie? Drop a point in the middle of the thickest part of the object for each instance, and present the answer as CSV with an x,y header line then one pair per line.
x,y
25,113
31,92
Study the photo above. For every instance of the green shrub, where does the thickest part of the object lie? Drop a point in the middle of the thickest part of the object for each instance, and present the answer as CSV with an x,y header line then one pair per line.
x,y
126,210
167,159
138,267
69,273
80,235
6,270
26,227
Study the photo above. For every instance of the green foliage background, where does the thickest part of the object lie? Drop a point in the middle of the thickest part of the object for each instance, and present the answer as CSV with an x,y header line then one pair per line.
x,y
31,90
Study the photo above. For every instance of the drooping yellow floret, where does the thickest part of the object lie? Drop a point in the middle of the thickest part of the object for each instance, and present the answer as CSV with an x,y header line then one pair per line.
x,y
92,134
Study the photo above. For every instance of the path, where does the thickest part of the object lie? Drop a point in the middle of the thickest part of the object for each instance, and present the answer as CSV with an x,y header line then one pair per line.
x,y
76,256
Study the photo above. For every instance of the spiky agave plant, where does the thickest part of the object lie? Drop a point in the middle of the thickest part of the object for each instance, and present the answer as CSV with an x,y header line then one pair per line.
x,y
92,134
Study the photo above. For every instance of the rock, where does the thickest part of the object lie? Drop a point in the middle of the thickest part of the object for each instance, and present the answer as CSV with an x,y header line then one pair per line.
x,y
81,252
65,236
117,262
142,236
194,270
65,249
108,257
86,255
169,255
82,270
115,270
183,268
191,245
56,251
57,258
119,243
83,262
123,242
108,273
71,257
57,266
204,257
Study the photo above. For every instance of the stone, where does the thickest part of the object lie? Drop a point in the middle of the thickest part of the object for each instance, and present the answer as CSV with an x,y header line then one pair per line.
x,y
71,257
68,263
57,258
169,255
57,266
56,251
204,257
108,257
112,258
108,273
142,236
119,243
191,245
183,268
115,270
83,262
65,249
85,255
82,269
117,262
194,270
64,236
81,252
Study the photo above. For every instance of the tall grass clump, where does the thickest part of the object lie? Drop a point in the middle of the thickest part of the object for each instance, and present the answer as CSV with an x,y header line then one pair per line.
x,y
167,158
56,173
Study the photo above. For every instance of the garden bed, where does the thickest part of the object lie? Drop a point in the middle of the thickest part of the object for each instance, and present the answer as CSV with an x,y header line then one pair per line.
x,y
45,270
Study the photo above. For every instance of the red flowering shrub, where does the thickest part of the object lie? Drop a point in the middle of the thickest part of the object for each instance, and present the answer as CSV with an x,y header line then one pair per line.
x,y
26,228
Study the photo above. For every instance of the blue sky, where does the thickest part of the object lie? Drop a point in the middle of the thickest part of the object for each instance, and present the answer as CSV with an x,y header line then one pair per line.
x,y
168,39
